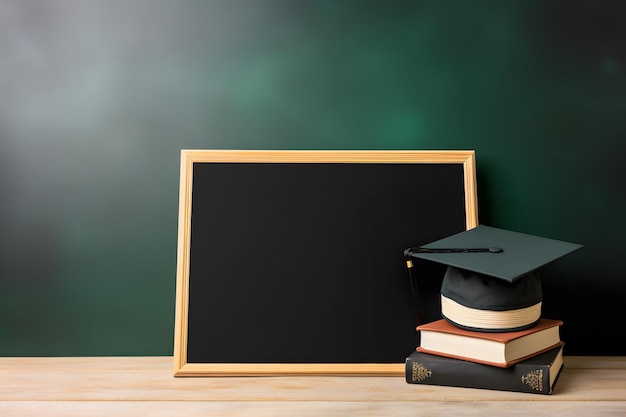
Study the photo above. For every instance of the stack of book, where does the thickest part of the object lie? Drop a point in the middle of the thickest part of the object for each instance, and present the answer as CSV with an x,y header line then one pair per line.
x,y
524,361
492,334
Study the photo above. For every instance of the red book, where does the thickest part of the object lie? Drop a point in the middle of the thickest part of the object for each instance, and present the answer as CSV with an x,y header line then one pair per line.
x,y
502,349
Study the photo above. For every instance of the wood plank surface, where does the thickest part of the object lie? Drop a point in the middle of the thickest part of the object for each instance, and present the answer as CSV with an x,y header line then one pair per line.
x,y
311,409
123,386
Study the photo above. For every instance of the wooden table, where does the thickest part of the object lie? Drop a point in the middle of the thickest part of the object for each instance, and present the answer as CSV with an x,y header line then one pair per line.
x,y
145,386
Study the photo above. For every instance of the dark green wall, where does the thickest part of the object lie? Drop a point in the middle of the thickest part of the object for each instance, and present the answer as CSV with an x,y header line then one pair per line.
x,y
98,97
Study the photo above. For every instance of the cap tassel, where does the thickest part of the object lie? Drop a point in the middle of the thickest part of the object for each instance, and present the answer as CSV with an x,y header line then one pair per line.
x,y
417,299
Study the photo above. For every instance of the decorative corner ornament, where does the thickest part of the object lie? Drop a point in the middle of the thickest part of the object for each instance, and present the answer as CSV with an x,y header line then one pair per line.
x,y
534,380
419,372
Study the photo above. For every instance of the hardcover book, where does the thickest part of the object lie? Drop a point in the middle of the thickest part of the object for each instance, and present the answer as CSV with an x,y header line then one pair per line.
x,y
537,375
502,349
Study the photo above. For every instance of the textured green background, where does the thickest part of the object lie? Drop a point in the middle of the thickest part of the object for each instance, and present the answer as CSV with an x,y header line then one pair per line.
x,y
98,97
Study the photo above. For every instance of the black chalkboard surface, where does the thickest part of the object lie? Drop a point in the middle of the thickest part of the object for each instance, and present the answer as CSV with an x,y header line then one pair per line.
x,y
291,262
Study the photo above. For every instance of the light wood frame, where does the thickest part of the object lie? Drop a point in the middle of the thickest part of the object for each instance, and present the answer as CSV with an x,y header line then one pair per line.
x,y
189,157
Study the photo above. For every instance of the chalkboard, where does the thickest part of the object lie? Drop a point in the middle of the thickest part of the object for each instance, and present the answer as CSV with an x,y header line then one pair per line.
x,y
291,262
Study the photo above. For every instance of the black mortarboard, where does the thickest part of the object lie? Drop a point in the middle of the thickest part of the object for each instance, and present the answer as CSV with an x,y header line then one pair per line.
x,y
491,283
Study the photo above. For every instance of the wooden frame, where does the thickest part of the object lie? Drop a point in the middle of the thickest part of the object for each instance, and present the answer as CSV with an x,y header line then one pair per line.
x,y
182,367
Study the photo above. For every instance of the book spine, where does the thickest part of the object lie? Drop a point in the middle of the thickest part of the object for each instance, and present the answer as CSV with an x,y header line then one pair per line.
x,y
423,368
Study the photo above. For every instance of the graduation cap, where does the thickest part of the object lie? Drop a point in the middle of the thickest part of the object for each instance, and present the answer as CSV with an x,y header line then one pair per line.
x,y
491,283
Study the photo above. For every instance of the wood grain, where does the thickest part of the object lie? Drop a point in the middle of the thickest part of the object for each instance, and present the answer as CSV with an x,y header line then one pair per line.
x,y
145,386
